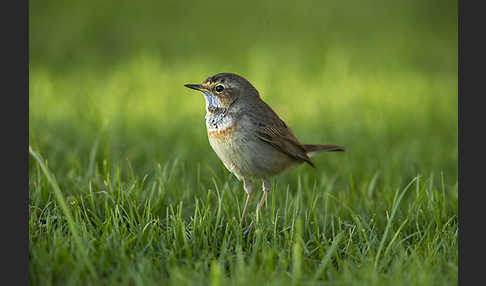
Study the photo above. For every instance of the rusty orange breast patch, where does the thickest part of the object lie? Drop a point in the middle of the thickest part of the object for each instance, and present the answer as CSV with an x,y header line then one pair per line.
x,y
221,133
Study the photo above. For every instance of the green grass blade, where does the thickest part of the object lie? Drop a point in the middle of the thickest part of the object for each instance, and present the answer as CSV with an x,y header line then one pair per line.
x,y
389,223
327,257
62,203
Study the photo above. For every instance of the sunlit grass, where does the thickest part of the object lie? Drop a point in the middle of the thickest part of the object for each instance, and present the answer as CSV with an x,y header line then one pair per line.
x,y
123,172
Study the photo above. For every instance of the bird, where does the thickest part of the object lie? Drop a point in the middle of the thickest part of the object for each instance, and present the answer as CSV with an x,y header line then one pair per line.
x,y
248,136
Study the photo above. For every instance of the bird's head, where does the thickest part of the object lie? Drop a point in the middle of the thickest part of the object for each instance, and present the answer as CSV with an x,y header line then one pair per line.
x,y
222,89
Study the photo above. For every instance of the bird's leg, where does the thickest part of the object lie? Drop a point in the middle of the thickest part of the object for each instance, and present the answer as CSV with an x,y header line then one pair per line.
x,y
266,189
248,186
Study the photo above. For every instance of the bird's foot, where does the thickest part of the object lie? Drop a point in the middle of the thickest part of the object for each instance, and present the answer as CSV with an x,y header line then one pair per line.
x,y
247,231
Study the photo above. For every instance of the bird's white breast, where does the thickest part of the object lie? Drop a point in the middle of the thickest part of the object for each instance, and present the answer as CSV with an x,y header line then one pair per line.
x,y
219,123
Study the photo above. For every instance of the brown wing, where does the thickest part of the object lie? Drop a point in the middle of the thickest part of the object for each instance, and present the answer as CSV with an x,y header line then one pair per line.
x,y
272,130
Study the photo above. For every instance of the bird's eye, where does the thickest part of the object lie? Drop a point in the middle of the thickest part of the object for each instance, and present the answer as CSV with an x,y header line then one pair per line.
x,y
219,88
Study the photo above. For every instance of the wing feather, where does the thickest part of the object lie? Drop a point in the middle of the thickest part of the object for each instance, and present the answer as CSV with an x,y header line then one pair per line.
x,y
272,130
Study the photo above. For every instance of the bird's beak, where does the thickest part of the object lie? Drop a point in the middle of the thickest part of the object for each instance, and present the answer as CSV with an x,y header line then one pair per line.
x,y
196,87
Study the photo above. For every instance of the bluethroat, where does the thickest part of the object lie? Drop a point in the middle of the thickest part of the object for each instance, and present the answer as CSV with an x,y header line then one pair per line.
x,y
248,136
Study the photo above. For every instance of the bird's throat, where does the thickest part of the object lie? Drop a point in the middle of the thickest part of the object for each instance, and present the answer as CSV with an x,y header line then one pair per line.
x,y
212,101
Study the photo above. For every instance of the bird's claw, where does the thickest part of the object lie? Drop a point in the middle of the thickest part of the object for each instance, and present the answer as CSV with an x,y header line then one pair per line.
x,y
247,231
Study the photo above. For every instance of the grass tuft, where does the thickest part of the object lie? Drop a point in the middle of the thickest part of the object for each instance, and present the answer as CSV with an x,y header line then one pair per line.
x,y
124,188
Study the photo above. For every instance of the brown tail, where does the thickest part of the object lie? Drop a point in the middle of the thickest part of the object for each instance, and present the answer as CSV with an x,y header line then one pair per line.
x,y
314,149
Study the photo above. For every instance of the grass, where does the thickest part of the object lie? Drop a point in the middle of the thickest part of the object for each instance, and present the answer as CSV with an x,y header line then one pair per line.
x,y
124,188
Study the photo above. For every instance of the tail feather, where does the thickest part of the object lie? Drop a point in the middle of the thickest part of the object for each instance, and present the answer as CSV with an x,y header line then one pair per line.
x,y
314,149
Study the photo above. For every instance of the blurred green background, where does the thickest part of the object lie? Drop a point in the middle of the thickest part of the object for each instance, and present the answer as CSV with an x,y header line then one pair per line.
x,y
378,77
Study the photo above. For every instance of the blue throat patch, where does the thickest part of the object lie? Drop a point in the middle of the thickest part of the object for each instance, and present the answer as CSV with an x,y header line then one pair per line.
x,y
211,100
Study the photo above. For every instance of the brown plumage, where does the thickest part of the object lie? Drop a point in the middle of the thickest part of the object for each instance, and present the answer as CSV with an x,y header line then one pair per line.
x,y
260,144
273,130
